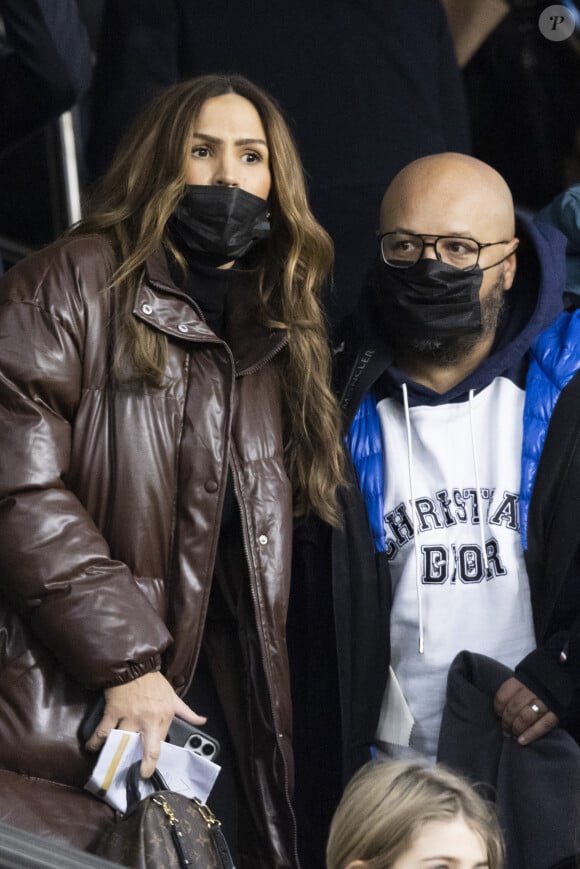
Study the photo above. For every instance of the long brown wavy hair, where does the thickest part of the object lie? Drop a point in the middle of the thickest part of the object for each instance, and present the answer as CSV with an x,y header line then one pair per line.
x,y
132,205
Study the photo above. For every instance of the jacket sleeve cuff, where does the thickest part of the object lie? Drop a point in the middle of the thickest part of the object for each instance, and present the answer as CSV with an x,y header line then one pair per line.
x,y
552,681
134,670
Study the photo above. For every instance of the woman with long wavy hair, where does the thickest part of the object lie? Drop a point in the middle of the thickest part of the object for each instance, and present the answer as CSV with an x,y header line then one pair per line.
x,y
166,412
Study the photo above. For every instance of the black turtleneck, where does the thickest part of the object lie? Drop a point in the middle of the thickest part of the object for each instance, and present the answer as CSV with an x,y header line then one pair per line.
x,y
208,286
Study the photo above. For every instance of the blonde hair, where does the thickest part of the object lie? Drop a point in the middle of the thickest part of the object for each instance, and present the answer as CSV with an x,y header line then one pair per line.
x,y
132,206
385,805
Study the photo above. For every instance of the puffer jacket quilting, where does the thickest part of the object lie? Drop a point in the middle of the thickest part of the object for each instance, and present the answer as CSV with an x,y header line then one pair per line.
x,y
111,496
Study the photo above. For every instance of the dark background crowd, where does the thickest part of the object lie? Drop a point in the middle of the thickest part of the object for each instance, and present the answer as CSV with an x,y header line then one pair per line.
x,y
366,87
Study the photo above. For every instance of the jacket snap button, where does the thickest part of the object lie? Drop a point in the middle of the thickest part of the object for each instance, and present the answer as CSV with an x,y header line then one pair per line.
x,y
147,309
178,681
262,539
211,486
183,328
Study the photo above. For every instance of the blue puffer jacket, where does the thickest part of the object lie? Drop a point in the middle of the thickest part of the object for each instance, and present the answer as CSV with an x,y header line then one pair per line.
x,y
554,359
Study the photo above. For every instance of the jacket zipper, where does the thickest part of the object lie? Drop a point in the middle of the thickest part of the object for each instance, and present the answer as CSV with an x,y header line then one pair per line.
x,y
263,362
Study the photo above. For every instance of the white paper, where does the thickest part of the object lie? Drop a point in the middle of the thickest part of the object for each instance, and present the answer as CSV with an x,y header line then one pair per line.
x,y
184,771
395,721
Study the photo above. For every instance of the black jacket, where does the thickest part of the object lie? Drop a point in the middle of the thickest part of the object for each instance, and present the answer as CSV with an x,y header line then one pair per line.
x,y
338,643
535,787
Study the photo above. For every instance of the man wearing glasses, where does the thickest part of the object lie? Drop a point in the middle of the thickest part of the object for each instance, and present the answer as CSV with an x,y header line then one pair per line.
x,y
460,367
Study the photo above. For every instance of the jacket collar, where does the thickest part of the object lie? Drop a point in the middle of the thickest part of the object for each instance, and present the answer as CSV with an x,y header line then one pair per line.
x,y
369,363
162,304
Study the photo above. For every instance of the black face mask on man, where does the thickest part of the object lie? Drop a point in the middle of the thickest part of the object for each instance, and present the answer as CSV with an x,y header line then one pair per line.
x,y
428,300
219,223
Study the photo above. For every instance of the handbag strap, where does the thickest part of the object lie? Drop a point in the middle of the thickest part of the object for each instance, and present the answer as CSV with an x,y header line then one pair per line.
x,y
216,835
133,784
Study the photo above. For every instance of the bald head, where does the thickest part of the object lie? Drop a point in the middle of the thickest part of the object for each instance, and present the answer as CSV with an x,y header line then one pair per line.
x,y
449,194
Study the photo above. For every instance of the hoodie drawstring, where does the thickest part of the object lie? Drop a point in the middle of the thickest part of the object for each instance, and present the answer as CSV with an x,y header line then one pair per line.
x,y
477,487
415,534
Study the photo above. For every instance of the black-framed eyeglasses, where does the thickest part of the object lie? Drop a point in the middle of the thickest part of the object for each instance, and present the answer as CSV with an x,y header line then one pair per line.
x,y
404,249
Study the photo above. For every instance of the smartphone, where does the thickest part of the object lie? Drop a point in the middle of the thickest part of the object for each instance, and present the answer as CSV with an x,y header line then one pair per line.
x,y
180,732
188,736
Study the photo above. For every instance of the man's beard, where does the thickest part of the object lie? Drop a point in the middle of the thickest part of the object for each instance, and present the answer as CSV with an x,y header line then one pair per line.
x,y
444,352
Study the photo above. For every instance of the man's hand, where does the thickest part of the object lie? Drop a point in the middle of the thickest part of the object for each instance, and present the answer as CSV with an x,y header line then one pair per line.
x,y
146,705
522,714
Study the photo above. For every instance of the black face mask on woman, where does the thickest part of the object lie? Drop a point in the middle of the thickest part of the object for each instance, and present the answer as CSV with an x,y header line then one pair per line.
x,y
429,300
219,223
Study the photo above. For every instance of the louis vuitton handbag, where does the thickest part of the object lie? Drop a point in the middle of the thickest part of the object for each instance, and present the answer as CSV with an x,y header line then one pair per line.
x,y
164,830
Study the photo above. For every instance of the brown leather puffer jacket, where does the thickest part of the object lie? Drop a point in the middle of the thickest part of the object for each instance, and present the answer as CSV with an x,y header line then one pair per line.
x,y
110,505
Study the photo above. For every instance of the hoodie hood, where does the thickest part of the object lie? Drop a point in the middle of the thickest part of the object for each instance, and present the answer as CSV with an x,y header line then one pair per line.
x,y
532,304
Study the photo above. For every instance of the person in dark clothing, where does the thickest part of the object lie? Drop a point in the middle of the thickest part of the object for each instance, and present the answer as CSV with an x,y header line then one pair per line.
x,y
459,396
45,64
563,212
523,93
367,86
46,68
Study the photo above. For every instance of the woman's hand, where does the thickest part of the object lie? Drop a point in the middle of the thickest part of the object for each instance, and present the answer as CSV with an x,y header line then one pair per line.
x,y
146,705
522,714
